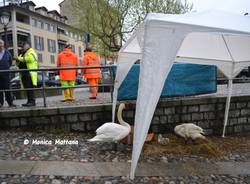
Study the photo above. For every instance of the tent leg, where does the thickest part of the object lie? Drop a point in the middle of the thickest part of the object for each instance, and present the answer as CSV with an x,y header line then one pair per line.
x,y
230,87
114,104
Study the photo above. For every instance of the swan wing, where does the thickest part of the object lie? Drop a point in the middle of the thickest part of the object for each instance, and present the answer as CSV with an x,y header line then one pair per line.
x,y
180,130
103,127
113,131
194,127
108,128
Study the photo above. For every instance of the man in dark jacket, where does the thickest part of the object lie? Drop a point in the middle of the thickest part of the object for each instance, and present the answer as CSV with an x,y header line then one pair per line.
x,y
5,64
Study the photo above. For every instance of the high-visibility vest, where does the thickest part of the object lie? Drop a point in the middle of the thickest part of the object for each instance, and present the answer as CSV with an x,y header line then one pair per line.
x,y
67,59
91,59
30,59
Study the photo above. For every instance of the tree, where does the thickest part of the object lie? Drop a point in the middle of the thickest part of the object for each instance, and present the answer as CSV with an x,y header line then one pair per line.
x,y
111,21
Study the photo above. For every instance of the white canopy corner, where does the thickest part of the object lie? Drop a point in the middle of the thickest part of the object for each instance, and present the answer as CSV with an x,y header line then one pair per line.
x,y
210,38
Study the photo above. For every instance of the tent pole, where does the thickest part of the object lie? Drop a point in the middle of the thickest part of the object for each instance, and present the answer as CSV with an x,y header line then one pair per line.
x,y
114,103
230,87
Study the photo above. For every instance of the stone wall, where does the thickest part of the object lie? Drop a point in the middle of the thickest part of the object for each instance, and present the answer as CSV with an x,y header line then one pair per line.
x,y
206,112
80,118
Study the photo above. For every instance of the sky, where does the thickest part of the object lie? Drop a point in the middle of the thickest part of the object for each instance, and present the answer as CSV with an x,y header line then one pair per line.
x,y
236,6
49,4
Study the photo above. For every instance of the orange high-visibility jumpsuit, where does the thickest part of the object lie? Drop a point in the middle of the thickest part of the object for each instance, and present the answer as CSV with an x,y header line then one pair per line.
x,y
94,74
67,58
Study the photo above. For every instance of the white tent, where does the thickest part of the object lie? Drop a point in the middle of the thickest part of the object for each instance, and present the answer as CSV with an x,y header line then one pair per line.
x,y
211,38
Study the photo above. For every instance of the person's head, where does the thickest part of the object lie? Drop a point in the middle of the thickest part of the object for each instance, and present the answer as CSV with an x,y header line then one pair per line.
x,y
88,49
67,46
1,45
26,46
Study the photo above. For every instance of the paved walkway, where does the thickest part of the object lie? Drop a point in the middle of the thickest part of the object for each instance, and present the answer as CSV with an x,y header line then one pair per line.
x,y
64,168
82,96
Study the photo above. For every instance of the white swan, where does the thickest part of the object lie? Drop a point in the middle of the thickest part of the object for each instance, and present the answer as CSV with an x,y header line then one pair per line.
x,y
112,132
189,131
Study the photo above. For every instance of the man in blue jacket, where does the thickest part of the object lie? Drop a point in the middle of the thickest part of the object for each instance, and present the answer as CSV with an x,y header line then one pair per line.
x,y
5,64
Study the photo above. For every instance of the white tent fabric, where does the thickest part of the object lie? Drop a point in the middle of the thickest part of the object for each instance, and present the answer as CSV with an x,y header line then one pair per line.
x,y
211,38
128,55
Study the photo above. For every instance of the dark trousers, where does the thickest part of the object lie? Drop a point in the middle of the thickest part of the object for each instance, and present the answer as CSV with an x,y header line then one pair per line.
x,y
5,84
27,83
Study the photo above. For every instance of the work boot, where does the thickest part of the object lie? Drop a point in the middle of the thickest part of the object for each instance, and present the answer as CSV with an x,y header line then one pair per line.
x,y
94,95
12,105
66,94
29,104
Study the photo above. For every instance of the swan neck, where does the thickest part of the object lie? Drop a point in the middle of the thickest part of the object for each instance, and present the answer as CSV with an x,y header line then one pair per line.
x,y
119,117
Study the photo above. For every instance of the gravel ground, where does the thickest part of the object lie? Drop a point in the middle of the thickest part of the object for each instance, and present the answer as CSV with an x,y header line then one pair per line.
x,y
213,179
12,148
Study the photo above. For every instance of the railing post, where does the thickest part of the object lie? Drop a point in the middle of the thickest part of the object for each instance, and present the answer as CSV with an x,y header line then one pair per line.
x,y
44,92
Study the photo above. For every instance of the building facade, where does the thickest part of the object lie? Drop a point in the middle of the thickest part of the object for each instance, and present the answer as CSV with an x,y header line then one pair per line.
x,y
67,9
47,31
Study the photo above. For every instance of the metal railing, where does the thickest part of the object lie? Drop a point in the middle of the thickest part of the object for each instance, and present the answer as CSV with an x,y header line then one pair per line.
x,y
44,88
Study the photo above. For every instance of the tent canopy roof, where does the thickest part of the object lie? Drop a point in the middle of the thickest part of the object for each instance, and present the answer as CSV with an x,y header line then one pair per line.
x,y
212,37
210,19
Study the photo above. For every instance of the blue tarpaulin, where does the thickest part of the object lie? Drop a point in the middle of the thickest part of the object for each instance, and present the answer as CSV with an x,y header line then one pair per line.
x,y
183,80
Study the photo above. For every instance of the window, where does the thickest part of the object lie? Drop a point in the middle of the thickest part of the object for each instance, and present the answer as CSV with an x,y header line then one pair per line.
x,y
9,39
40,58
47,26
80,51
22,18
52,59
53,28
32,8
40,24
34,22
61,31
51,46
39,43
61,46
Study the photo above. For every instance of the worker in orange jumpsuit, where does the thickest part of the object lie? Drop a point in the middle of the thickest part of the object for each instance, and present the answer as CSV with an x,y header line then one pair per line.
x,y
67,58
92,74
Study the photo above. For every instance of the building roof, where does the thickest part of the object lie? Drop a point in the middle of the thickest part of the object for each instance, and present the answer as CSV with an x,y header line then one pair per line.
x,y
64,17
55,13
29,3
61,2
42,8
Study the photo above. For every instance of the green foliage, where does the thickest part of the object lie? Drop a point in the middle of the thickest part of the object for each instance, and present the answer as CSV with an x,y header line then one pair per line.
x,y
111,21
